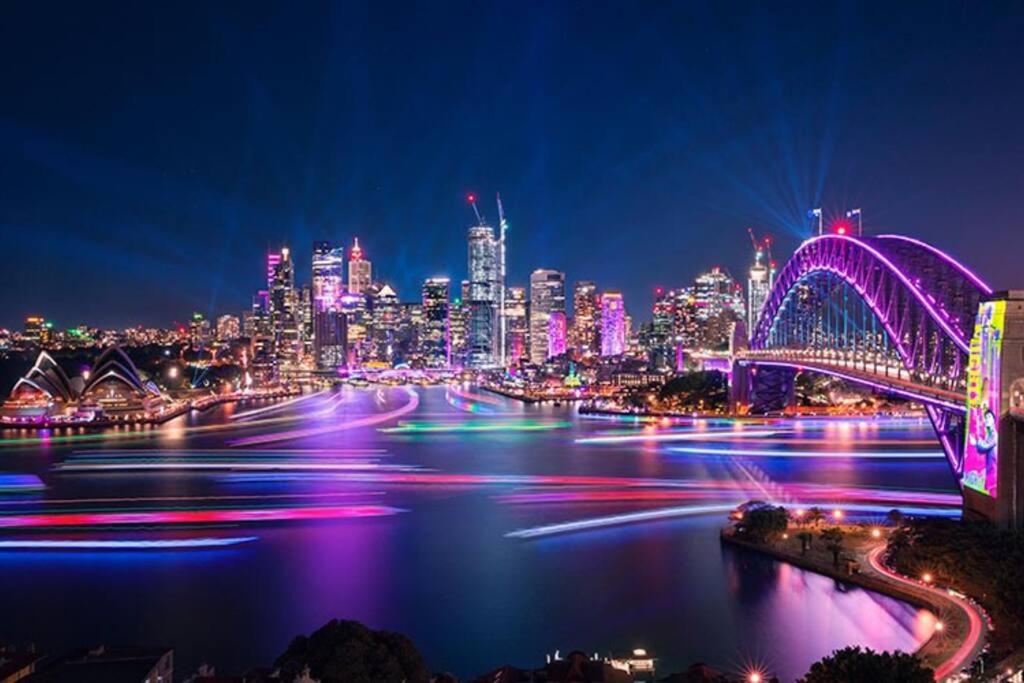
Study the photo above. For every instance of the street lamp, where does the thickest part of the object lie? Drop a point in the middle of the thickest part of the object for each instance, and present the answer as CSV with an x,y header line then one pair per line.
x,y
860,220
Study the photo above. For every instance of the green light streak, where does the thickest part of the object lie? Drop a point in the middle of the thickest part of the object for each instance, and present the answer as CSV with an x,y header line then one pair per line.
x,y
445,428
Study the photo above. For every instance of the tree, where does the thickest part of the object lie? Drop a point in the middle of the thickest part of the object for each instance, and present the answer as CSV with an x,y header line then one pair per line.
x,y
833,538
761,521
347,651
815,516
805,541
854,665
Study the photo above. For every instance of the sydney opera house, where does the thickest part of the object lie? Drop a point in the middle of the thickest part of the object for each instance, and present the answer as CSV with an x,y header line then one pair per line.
x,y
112,390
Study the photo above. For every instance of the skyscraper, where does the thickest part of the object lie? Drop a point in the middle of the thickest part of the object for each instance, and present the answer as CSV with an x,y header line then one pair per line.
x,y
435,347
719,303
547,295
556,334
584,318
284,304
385,316
228,328
482,303
360,271
329,329
759,284
613,324
517,324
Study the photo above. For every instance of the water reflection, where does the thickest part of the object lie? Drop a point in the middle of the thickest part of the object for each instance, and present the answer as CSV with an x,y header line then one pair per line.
x,y
446,571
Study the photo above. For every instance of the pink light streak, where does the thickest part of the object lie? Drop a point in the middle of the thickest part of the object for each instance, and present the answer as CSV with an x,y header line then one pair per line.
x,y
171,517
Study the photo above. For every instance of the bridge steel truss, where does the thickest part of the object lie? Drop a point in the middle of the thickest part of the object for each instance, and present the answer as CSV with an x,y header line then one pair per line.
x,y
879,307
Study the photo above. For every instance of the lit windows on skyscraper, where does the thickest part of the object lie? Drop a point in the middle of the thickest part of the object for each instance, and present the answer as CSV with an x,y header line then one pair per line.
x,y
435,343
517,328
482,302
360,271
329,328
547,295
584,318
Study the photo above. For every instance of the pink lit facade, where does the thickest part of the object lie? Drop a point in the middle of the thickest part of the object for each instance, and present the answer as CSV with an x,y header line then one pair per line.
x,y
613,324
556,334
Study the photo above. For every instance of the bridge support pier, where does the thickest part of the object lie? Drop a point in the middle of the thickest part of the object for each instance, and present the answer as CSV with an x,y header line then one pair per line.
x,y
772,388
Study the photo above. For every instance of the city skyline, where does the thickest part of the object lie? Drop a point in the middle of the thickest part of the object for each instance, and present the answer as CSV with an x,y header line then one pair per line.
x,y
178,191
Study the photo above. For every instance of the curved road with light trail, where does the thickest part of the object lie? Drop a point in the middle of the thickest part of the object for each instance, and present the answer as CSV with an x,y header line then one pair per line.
x,y
975,640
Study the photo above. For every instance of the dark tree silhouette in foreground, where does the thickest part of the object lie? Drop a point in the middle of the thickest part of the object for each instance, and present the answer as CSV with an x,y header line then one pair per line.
x,y
854,665
347,651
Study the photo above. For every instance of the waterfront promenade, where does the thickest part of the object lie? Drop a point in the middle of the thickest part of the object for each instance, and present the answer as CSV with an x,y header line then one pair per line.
x,y
958,632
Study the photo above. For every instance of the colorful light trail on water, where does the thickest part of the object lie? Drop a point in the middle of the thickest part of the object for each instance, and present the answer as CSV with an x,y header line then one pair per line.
x,y
413,401
136,544
690,435
616,520
196,516
469,427
278,406
789,453
20,483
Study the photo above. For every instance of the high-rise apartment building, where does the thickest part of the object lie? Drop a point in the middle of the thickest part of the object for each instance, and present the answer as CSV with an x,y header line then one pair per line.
x,y
547,295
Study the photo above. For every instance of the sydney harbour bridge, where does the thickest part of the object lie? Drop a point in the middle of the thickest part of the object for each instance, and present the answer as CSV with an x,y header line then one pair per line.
x,y
895,314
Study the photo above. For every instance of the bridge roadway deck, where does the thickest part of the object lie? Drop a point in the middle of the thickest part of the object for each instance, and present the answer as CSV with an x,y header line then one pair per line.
x,y
951,400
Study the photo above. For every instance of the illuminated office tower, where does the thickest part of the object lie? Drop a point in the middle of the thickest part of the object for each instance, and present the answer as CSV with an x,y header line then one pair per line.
x,y
663,321
517,326
198,330
305,317
435,348
482,302
556,334
584,318
360,271
264,364
284,305
35,331
547,295
458,326
329,328
718,301
384,323
613,324
228,328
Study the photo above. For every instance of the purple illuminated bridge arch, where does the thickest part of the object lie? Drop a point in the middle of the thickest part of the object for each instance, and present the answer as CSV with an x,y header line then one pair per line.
x,y
922,299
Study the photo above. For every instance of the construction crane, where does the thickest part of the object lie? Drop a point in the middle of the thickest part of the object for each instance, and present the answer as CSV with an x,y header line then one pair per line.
x,y
502,226
762,248
471,198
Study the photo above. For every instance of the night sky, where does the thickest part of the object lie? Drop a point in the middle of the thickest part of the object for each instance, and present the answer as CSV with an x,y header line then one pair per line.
x,y
151,153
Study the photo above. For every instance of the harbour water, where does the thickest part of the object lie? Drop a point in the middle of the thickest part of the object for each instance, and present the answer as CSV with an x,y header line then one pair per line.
x,y
488,531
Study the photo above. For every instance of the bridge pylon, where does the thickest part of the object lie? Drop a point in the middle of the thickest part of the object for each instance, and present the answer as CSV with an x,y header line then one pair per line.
x,y
993,460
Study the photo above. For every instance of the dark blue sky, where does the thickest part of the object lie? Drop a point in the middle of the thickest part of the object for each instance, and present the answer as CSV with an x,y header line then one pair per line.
x,y
150,153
